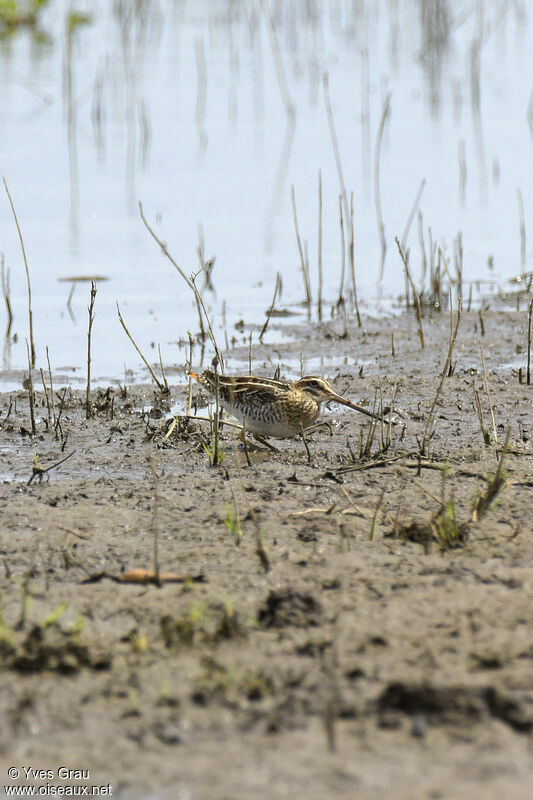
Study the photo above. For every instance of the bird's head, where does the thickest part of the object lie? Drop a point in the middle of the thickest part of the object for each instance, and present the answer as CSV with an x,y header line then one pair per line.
x,y
320,390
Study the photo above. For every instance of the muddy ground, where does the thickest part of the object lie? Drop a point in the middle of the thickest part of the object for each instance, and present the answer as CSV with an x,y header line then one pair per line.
x,y
352,642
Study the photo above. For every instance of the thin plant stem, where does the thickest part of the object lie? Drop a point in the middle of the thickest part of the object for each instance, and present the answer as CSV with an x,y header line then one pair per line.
x,y
486,380
30,313
444,373
88,407
160,386
51,390
416,297
5,292
343,253
522,229
412,213
280,70
301,252
189,393
319,303
528,370
351,254
176,265
162,369
377,191
277,289
30,392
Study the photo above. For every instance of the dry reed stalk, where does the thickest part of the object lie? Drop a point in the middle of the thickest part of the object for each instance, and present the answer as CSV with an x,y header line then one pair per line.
x,y
88,408
176,265
351,255
446,368
422,246
458,262
30,392
412,213
278,61
189,392
319,300
162,369
277,289
6,293
51,391
486,380
201,306
522,229
47,398
30,313
343,253
348,211
528,372
479,411
160,386
377,192
335,144
303,265
216,421
375,517
416,298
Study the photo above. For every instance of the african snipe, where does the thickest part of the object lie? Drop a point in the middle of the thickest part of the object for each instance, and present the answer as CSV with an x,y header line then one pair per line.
x,y
268,407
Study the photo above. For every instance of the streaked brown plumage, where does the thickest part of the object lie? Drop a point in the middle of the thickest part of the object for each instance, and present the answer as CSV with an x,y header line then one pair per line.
x,y
269,407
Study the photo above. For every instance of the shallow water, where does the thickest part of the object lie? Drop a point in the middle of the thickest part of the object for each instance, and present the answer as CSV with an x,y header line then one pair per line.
x,y
180,108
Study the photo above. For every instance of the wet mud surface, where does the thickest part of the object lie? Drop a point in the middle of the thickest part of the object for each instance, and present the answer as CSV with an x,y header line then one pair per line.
x,y
361,626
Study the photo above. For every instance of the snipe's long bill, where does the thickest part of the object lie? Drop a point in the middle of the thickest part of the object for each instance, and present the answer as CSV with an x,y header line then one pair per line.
x,y
268,407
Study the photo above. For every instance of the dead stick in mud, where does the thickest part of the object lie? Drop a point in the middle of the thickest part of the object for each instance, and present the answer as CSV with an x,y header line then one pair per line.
x,y
30,392
375,517
453,337
412,214
319,302
351,255
216,421
522,229
278,61
377,194
30,313
47,398
51,391
176,265
277,288
38,472
416,297
303,266
199,298
343,253
162,369
90,309
6,293
189,393
486,380
348,211
528,371
160,386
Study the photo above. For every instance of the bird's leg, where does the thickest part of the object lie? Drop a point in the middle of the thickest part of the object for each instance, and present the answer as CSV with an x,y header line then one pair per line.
x,y
262,440
302,434
245,443
323,424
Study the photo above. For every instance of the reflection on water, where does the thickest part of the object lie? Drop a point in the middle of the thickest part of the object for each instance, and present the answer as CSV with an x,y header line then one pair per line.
x,y
208,112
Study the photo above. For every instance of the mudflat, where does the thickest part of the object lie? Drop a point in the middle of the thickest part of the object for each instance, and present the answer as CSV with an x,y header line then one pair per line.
x,y
357,626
